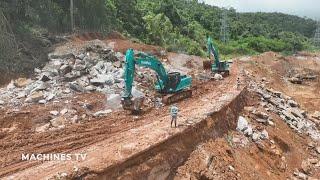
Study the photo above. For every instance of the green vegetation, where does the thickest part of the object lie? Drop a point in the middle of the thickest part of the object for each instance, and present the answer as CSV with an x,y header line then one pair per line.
x,y
177,25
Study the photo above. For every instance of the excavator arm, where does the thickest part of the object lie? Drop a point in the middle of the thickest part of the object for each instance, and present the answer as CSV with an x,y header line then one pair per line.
x,y
212,51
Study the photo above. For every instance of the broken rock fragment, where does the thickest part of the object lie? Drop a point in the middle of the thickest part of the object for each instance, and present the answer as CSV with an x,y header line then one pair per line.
x,y
65,69
35,97
59,121
22,82
242,124
43,128
102,113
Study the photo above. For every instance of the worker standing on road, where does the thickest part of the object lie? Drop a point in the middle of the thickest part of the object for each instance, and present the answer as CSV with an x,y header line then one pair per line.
x,y
158,103
238,83
174,114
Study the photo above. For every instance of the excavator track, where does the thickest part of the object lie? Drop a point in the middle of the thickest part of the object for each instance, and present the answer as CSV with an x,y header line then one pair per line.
x,y
173,98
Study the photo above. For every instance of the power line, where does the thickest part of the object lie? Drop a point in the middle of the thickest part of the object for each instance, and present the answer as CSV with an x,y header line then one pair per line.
x,y
224,29
316,38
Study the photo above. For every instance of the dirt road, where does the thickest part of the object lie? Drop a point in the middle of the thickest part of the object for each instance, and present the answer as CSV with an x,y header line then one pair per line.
x,y
102,138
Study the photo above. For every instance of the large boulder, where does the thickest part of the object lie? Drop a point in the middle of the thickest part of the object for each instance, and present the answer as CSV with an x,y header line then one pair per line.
x,y
292,103
114,101
218,77
76,87
58,121
22,82
102,79
295,80
102,113
43,128
45,77
242,124
261,115
35,97
64,69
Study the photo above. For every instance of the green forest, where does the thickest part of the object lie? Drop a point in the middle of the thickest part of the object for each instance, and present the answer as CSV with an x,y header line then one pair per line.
x,y
177,25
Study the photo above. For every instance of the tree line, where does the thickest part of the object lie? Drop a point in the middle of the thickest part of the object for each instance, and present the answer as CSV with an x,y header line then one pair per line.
x,y
178,25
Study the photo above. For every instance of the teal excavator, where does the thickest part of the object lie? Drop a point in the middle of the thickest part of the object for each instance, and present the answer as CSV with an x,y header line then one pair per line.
x,y
221,67
171,86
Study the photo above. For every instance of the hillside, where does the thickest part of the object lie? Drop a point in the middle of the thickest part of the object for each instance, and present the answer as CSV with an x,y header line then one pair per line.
x,y
177,25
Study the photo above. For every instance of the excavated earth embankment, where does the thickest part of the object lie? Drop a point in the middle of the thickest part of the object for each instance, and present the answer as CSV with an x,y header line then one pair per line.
x,y
162,160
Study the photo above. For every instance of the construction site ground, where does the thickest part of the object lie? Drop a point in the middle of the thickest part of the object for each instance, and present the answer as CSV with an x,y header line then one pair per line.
x,y
127,146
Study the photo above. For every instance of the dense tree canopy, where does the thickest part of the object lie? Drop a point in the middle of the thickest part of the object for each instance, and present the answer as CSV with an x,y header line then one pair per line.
x,y
180,25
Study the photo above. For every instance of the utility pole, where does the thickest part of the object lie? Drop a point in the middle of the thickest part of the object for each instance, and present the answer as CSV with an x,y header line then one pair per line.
x,y
71,15
224,29
316,38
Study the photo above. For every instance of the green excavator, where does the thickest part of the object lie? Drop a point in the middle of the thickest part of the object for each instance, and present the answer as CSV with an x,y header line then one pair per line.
x,y
172,87
217,66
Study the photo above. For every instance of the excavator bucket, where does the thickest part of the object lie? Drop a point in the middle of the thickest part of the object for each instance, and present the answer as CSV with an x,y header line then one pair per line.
x,y
133,105
207,65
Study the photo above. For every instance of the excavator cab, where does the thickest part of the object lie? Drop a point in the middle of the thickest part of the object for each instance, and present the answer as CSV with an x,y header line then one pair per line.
x,y
174,79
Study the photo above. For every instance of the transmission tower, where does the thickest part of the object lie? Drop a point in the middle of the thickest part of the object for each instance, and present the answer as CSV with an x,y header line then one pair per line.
x,y
316,38
224,30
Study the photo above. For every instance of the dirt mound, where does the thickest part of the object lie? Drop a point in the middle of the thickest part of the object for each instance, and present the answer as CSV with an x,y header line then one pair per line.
x,y
122,46
115,35
88,36
277,71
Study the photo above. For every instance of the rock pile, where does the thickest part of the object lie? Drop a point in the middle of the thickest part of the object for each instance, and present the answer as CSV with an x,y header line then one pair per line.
x,y
298,78
287,109
256,135
94,67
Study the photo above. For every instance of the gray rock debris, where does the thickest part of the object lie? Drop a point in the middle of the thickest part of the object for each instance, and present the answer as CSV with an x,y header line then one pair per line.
x,y
54,113
292,103
76,87
64,69
93,67
300,175
248,131
218,77
58,121
264,135
256,136
102,113
242,124
114,101
287,109
35,97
